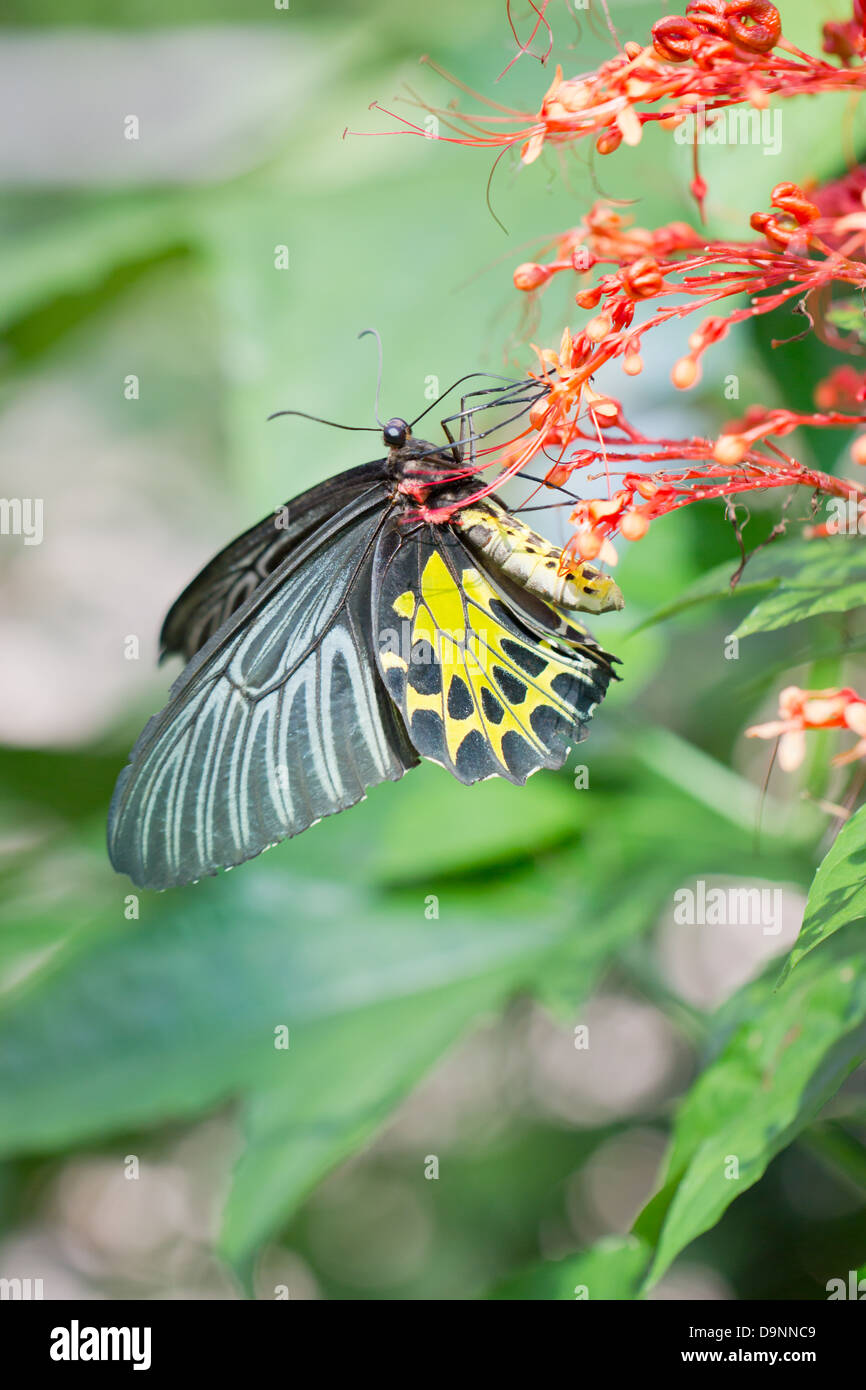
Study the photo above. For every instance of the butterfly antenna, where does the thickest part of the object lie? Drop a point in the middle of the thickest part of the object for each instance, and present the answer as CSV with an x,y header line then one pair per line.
x,y
335,424
374,333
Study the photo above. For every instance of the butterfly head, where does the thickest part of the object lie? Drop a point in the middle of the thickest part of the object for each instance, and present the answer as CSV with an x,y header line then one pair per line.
x,y
418,466
395,433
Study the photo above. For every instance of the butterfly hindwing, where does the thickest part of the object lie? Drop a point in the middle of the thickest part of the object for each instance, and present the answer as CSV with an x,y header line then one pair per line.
x,y
481,691
279,721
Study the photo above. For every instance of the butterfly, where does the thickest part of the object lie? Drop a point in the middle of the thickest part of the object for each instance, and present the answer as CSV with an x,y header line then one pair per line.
x,y
386,615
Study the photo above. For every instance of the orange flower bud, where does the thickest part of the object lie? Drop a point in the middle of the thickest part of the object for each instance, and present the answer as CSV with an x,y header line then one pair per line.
x,y
858,450
605,408
754,24
790,198
673,37
730,449
598,328
628,123
608,141
530,275
587,299
588,544
558,475
646,488
634,525
643,278
632,364
685,373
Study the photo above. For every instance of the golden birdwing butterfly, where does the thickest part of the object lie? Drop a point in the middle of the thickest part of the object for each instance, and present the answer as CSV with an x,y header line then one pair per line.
x,y
338,641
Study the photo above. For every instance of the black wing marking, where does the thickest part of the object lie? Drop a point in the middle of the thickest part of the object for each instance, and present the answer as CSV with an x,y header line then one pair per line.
x,y
484,688
228,580
281,719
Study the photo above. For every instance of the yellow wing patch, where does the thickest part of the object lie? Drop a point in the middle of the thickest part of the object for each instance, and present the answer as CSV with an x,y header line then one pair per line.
x,y
478,693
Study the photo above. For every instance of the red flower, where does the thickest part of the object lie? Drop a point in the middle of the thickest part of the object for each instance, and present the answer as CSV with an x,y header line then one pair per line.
x,y
800,710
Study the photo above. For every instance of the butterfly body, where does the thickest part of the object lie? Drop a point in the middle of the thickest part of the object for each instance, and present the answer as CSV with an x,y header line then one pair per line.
x,y
337,642
533,562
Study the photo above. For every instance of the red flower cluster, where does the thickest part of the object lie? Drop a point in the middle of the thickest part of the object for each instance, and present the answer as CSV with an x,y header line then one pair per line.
x,y
793,262
802,710
719,53
635,279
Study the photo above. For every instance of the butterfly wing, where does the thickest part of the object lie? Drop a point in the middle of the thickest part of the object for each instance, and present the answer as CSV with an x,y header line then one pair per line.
x,y
229,579
485,688
281,719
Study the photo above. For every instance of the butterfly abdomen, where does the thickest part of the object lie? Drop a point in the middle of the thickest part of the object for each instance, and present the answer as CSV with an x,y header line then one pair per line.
x,y
532,562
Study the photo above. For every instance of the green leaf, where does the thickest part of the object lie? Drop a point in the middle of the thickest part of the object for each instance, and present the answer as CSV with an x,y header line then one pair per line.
x,y
804,577
839,1151
341,1079
75,252
475,827
177,1011
838,893
342,1076
611,1269
831,579
767,1083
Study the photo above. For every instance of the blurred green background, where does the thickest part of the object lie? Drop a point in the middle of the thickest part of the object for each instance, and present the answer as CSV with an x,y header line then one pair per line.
x,y
156,1143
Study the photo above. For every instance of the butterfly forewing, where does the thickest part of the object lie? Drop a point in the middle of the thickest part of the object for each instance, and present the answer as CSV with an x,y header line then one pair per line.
x,y
226,583
281,719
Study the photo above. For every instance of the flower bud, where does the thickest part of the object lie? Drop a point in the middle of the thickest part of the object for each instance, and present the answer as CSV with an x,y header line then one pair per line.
x,y
598,328
558,475
643,278
608,141
730,449
588,545
587,299
530,275
646,488
684,373
634,525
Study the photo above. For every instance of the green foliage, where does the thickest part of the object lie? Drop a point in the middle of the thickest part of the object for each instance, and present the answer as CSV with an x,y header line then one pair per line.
x,y
801,579
610,1270
838,892
433,937
767,1083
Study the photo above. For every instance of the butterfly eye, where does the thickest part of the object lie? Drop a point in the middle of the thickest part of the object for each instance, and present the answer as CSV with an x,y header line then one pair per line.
x,y
395,433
